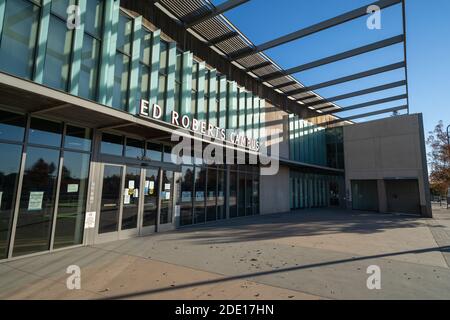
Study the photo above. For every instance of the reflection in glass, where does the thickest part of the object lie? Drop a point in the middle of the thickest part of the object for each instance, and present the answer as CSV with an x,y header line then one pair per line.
x,y
72,200
199,199
154,152
134,149
233,194
93,22
211,200
77,138
36,201
255,197
57,57
248,195
12,126
45,132
186,195
112,144
151,187
18,41
89,68
221,214
241,197
166,198
131,198
109,212
9,176
121,75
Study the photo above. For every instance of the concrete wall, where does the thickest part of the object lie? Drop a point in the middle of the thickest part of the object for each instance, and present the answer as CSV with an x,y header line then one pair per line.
x,y
274,193
392,148
274,190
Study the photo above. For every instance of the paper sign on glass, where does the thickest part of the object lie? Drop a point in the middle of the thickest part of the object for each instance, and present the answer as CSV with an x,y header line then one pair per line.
x,y
167,186
89,223
72,188
131,184
126,199
35,202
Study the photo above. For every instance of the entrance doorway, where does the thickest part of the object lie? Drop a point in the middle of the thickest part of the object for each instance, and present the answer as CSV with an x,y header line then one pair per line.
x,y
135,201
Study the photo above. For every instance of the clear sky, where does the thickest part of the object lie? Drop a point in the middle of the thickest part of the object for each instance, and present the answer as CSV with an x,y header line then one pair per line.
x,y
428,47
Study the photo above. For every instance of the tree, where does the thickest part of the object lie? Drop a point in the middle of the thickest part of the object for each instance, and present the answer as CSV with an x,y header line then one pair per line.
x,y
439,159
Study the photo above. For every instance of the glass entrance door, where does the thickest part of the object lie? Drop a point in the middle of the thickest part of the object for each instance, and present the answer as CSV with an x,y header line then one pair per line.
x,y
151,201
135,201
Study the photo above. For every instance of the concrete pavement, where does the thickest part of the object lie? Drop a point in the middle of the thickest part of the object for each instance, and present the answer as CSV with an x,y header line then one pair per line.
x,y
312,254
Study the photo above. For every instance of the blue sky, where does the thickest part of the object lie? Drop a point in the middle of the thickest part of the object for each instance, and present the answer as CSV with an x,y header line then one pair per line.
x,y
428,47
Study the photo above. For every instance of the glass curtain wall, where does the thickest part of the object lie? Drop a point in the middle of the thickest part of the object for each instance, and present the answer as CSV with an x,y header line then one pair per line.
x,y
310,190
122,63
52,199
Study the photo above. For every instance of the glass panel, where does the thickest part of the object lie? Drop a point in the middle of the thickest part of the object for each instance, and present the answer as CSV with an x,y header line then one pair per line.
x,y
121,72
57,57
72,200
94,13
167,198
37,201
45,132
124,34
162,86
186,194
112,144
248,195
18,41
89,68
78,138
200,185
221,214
131,198
163,57
60,7
211,201
9,176
146,48
233,194
167,154
241,194
12,126
150,197
255,198
154,151
109,212
134,149
144,78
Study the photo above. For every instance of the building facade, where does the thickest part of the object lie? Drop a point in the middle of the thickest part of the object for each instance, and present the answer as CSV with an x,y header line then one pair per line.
x,y
85,158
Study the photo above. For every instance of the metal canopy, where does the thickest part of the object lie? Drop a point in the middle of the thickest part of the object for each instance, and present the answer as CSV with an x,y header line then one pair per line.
x,y
206,20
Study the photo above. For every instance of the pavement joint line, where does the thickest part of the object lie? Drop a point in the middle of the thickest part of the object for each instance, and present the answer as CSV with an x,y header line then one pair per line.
x,y
436,224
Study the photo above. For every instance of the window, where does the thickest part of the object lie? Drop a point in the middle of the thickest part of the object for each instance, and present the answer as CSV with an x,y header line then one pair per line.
x,y
112,145
200,190
145,68
194,90
44,132
122,63
9,177
37,201
154,152
72,200
59,46
12,126
186,189
178,80
134,149
90,58
163,74
18,39
78,138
